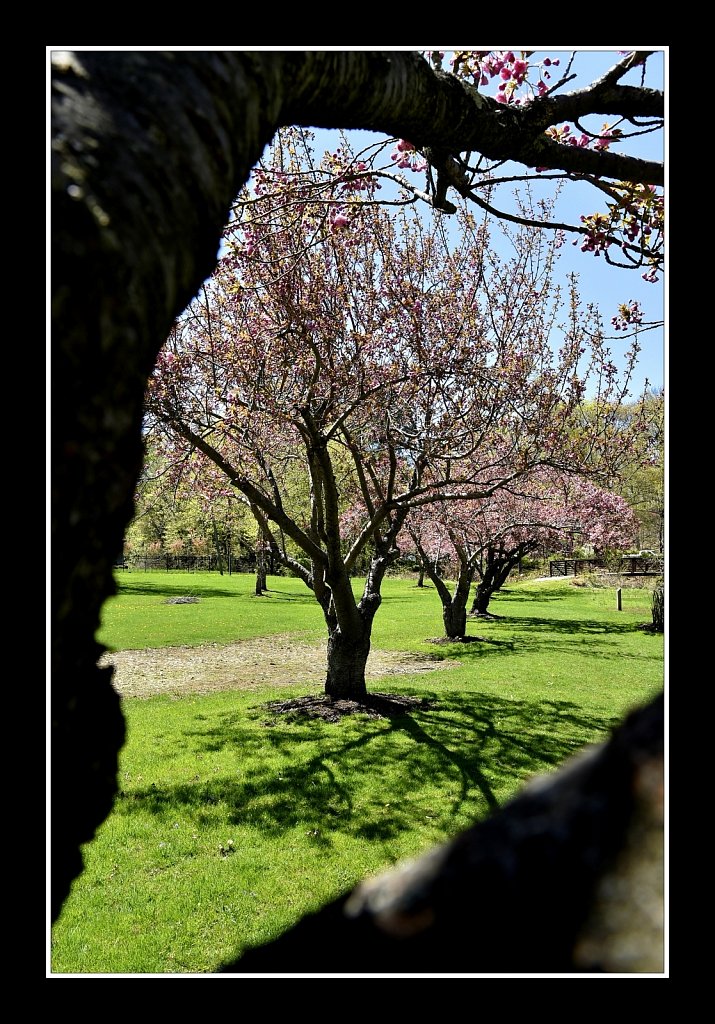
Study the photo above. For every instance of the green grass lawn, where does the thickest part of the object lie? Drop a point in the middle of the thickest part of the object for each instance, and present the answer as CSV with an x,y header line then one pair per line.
x,y
232,824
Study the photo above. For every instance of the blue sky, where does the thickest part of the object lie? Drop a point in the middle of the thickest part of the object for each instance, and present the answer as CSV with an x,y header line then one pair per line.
x,y
600,283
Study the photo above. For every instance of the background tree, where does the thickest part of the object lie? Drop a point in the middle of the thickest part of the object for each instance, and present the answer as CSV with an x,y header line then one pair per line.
x,y
149,151
601,519
487,538
183,511
642,481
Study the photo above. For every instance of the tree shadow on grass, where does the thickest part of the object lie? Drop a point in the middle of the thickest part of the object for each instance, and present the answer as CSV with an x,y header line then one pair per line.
x,y
275,594
170,589
573,626
427,765
553,593
519,636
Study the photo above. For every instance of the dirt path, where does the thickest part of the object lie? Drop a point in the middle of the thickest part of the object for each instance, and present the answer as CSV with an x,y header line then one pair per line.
x,y
248,665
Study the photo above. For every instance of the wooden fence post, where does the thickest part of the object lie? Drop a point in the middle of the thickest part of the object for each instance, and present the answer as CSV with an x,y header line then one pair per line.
x,y
618,599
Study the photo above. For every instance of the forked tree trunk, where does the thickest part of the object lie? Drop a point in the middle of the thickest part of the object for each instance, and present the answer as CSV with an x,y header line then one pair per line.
x,y
349,631
454,606
495,575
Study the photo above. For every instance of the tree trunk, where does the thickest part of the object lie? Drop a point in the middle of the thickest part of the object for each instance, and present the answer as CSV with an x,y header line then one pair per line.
x,y
482,596
350,629
421,577
217,546
260,567
658,608
148,154
454,616
494,576
347,658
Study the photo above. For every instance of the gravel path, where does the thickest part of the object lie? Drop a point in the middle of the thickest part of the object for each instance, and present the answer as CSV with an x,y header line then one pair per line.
x,y
248,665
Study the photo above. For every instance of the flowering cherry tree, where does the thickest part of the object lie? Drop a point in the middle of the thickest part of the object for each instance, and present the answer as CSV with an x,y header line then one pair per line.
x,y
485,539
394,366
599,517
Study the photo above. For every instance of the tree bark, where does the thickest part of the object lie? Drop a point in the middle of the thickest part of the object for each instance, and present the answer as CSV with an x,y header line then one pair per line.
x,y
350,631
217,547
149,150
260,565
454,605
482,597
347,658
658,608
454,611
494,575
454,616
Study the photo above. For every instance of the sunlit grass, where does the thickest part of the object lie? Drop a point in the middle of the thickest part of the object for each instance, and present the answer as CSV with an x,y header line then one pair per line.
x,y
232,824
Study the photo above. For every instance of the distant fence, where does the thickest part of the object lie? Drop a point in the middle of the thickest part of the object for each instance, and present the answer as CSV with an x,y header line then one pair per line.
x,y
574,566
185,563
631,565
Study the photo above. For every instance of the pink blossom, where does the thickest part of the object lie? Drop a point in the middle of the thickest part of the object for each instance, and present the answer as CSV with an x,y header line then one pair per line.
x,y
338,220
629,314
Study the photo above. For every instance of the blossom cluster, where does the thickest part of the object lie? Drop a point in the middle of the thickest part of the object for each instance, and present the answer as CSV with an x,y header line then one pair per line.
x,y
601,142
629,314
406,157
637,215
482,66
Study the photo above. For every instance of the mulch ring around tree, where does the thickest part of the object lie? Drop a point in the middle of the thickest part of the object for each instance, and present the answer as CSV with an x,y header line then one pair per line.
x,y
374,705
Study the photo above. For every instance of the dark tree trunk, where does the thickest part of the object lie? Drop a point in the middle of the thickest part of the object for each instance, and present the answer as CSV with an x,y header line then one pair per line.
x,y
217,547
495,573
454,605
658,608
260,568
421,577
147,158
482,597
350,630
454,616
347,658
